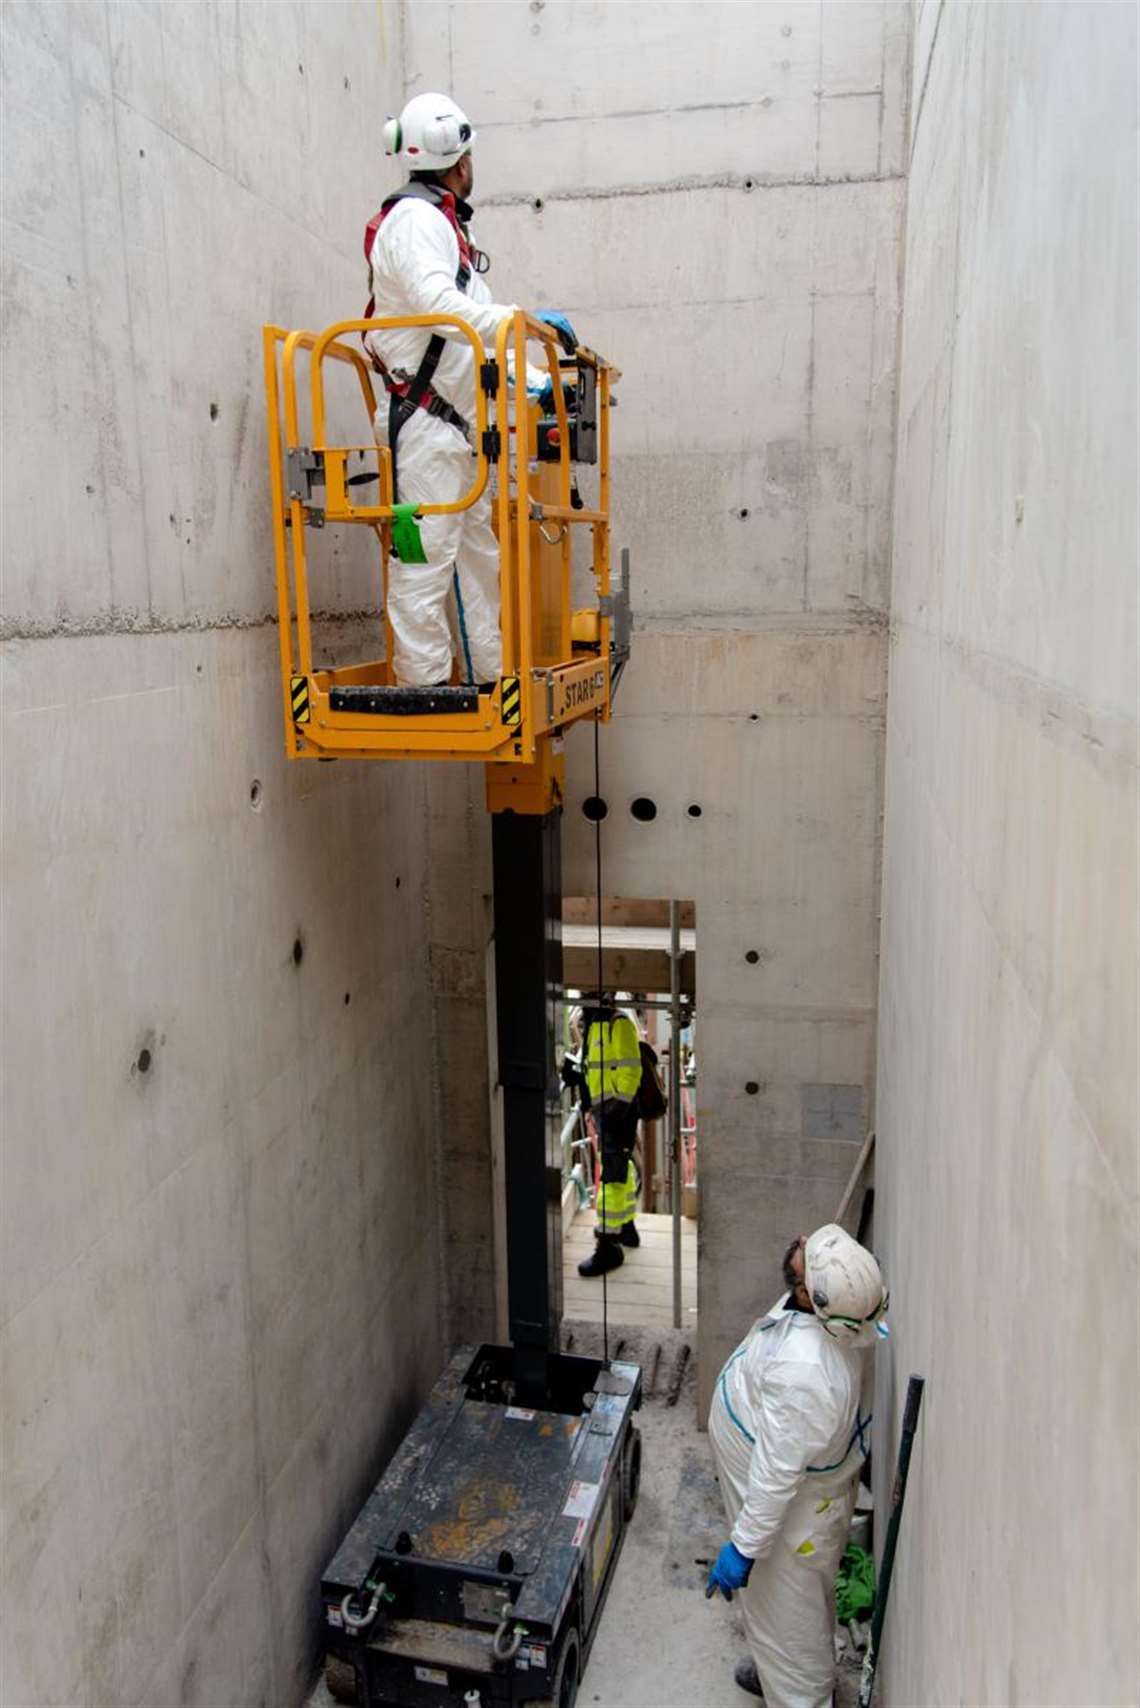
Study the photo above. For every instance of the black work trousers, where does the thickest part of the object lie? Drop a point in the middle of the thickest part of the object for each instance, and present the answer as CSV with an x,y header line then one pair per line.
x,y
617,1200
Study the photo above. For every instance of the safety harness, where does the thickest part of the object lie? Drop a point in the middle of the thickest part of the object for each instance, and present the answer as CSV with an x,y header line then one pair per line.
x,y
405,397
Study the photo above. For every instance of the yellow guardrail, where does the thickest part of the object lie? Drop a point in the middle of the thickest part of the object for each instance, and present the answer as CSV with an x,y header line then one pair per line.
x,y
556,663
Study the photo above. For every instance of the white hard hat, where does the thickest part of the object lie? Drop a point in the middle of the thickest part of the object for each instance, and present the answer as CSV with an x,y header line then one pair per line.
x,y
844,1284
430,135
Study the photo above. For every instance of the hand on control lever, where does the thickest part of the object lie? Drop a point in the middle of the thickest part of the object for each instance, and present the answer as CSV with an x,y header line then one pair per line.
x,y
545,396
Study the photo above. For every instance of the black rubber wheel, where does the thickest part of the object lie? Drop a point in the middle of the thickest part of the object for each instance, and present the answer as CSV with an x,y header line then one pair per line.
x,y
564,1690
631,1474
340,1676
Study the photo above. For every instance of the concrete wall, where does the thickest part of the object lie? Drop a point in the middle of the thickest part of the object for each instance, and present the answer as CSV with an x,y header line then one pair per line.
x,y
714,193
221,1297
1007,1171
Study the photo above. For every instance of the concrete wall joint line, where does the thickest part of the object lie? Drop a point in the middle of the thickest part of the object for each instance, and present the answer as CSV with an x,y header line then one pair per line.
x,y
65,627
89,313
256,1404
855,620
1101,736
116,1222
818,100
685,107
137,435
809,435
772,300
441,1264
256,1517
866,720
687,185
287,211
800,1013
925,80
1044,1014
882,93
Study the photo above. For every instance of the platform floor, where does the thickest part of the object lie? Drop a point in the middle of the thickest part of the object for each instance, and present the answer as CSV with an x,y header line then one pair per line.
x,y
640,1293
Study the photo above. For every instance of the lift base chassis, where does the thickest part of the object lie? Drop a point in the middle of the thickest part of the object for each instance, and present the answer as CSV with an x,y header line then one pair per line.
x,y
494,1534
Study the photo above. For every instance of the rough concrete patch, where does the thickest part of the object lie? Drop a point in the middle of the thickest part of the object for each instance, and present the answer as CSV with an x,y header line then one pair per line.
x,y
455,972
832,1112
784,464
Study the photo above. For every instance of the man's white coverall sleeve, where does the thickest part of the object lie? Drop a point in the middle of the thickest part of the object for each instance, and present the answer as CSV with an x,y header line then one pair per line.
x,y
793,1424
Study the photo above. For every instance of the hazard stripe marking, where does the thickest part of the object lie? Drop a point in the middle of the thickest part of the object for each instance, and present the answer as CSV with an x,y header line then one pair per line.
x,y
511,700
299,695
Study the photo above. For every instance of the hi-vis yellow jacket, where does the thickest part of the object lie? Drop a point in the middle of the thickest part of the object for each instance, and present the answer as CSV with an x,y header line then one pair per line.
x,y
613,1060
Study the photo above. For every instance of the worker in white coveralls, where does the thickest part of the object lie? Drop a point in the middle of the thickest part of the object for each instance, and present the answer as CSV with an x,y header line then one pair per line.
x,y
422,260
789,1427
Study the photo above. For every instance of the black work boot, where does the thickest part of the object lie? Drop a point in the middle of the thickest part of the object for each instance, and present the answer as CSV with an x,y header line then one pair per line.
x,y
606,1255
629,1234
747,1677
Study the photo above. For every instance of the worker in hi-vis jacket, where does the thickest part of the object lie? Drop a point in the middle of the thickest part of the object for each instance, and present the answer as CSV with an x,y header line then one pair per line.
x,y
422,260
790,1428
608,1076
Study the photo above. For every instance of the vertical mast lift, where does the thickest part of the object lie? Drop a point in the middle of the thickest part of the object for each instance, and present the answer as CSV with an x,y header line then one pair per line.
x,y
476,1572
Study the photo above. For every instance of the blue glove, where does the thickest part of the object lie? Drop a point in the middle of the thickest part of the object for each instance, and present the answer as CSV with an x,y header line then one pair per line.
x,y
555,318
730,1570
545,396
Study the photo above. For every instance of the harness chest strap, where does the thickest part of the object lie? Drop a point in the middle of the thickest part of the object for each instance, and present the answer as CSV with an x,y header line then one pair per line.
x,y
417,392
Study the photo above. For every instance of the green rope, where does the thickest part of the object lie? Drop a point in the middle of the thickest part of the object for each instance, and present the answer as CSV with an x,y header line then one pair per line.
x,y
855,1585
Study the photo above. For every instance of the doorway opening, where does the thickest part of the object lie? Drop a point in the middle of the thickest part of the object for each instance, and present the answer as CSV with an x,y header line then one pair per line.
x,y
648,973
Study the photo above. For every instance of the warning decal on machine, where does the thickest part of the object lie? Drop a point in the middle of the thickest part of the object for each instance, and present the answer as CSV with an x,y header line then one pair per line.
x,y
603,1542
520,1414
511,700
581,1500
431,1675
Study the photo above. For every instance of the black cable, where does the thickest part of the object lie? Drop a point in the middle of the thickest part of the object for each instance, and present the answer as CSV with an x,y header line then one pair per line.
x,y
602,1031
